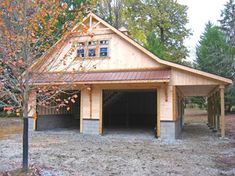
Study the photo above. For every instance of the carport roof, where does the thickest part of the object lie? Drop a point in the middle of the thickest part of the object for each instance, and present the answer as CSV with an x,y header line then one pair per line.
x,y
101,76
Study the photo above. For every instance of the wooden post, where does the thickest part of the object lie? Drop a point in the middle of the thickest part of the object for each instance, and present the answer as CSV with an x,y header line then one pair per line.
x,y
158,125
90,99
212,112
222,116
101,112
208,111
127,112
174,105
81,111
215,113
218,110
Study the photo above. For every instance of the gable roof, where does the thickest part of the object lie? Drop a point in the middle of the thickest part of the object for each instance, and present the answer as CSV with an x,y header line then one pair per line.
x,y
140,47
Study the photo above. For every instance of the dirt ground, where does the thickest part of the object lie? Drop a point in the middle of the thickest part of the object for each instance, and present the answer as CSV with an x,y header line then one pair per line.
x,y
10,126
66,152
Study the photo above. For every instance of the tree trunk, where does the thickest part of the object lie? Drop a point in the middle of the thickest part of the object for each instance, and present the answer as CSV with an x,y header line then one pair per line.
x,y
110,12
162,34
25,145
25,90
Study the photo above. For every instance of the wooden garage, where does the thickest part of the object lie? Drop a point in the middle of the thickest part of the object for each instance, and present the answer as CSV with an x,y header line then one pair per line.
x,y
103,62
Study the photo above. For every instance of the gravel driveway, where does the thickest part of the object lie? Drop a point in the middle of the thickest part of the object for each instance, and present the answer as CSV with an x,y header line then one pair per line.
x,y
66,152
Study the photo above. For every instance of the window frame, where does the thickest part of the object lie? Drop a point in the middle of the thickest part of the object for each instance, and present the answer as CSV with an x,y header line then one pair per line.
x,y
96,45
88,52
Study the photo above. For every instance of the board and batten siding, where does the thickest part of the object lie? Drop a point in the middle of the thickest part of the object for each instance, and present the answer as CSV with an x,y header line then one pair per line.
x,y
184,78
122,55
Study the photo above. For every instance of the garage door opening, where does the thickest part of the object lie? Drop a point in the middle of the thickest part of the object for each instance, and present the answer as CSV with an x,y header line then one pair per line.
x,y
50,117
129,110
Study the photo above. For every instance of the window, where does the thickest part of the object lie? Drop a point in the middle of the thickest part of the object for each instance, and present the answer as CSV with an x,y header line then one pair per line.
x,y
81,44
81,52
91,52
104,42
103,51
81,49
97,48
92,43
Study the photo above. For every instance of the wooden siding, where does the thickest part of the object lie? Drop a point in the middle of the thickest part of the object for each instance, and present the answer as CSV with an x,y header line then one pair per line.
x,y
122,56
179,78
166,106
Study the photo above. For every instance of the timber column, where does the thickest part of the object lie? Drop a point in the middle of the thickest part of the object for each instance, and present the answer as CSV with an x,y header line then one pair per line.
x,y
222,116
91,110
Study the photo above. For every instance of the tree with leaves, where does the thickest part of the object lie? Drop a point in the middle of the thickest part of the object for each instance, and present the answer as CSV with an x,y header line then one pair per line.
x,y
227,22
215,55
111,11
55,25
161,20
227,25
155,45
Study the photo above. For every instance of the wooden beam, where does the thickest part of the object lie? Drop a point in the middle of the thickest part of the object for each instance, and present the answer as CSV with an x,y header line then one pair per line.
x,y
213,91
90,23
102,82
158,125
96,25
222,115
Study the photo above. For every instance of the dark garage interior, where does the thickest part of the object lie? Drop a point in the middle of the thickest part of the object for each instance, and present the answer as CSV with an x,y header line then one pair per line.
x,y
50,118
129,109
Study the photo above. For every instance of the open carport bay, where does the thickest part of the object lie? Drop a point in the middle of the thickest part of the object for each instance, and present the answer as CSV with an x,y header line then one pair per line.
x,y
49,118
129,110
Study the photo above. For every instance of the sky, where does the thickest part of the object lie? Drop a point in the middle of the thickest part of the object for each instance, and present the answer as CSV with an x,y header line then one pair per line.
x,y
199,13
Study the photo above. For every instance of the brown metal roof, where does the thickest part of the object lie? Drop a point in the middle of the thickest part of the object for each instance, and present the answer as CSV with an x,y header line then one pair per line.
x,y
136,75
